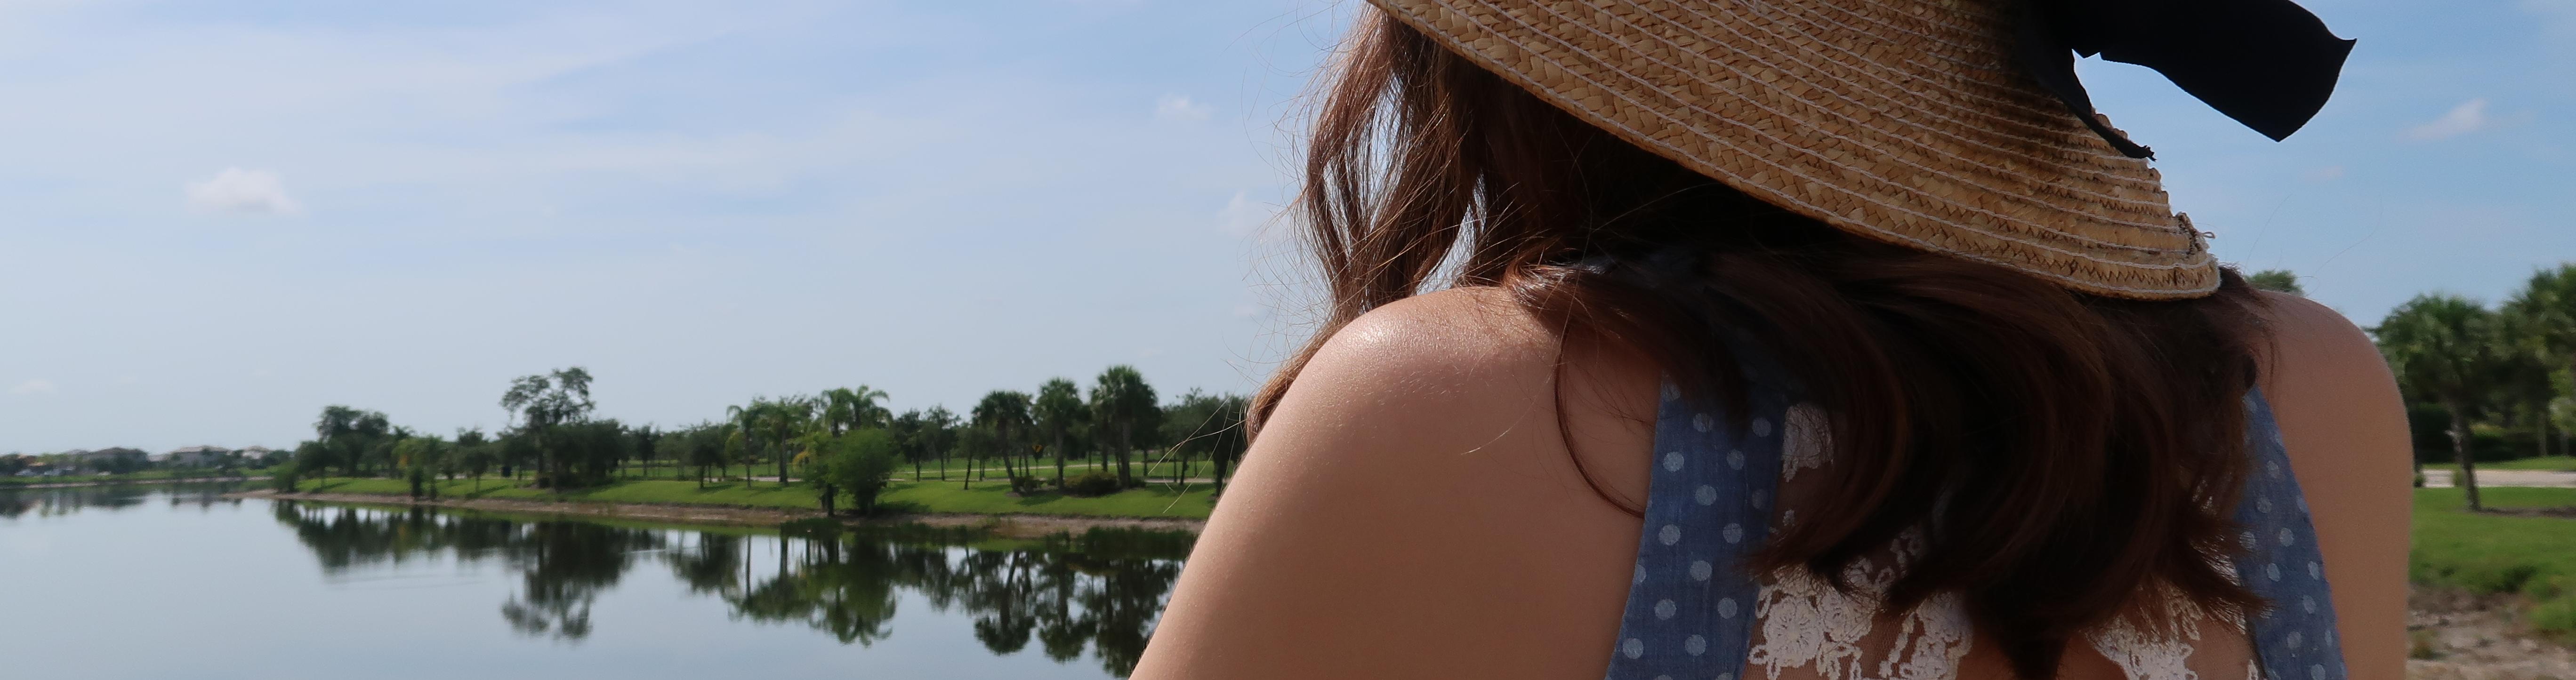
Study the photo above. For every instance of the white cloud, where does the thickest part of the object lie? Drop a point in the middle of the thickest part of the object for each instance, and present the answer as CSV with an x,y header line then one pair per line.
x,y
1181,107
2469,116
242,192
35,386
1245,217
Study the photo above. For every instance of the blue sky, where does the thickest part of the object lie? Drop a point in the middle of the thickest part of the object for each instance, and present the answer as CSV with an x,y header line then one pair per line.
x,y
222,216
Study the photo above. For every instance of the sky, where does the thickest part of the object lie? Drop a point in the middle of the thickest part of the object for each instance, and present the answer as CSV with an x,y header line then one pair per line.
x,y
216,218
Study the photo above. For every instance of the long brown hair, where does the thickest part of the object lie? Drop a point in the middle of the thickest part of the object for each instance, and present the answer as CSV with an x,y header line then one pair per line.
x,y
2062,452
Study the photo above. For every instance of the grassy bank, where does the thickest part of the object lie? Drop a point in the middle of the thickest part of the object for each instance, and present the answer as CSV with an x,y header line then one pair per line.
x,y
1144,469
982,498
2492,553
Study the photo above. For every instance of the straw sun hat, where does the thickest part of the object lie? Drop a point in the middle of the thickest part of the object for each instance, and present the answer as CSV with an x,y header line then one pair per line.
x,y
1955,126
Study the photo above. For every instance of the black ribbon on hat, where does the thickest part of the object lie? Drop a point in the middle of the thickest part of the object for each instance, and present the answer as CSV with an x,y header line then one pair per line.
x,y
2266,63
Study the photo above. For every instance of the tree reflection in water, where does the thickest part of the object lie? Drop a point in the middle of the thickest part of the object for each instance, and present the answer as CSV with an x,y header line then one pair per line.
x,y
59,501
1099,590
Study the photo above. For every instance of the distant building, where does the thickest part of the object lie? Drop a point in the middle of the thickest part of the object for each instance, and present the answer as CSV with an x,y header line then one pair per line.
x,y
196,457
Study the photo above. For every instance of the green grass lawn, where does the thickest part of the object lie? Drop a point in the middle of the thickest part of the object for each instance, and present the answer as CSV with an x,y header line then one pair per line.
x,y
2532,556
987,498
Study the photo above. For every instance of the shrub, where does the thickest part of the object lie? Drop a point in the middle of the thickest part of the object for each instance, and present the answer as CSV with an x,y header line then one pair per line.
x,y
860,465
1092,484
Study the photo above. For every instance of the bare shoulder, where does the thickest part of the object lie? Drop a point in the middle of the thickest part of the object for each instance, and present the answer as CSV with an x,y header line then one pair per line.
x,y
1475,333
2345,426
1405,507
2314,348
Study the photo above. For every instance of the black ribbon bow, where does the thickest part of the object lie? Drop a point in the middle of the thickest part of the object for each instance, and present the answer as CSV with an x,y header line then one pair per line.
x,y
2266,63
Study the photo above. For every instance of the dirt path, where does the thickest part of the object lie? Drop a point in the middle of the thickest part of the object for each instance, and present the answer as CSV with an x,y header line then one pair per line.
x,y
2441,479
2457,636
1016,526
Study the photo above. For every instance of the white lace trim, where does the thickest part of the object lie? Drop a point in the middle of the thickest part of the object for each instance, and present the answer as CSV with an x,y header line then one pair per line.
x,y
2144,654
1805,623
1802,442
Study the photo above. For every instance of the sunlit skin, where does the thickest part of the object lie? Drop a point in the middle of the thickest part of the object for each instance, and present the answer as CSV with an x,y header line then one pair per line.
x,y
1411,510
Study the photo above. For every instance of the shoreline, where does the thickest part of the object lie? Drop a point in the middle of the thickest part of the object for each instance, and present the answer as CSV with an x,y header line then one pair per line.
x,y
1006,525
131,482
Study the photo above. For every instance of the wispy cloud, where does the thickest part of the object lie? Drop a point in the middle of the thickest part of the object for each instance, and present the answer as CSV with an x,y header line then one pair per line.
x,y
242,192
1244,216
34,386
1181,107
2469,116
2325,174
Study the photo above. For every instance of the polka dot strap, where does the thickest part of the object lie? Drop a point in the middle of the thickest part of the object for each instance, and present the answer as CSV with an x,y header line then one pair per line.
x,y
2295,639
1690,608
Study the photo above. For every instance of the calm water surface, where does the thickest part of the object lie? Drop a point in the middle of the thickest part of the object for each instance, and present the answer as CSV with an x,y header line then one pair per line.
x,y
179,582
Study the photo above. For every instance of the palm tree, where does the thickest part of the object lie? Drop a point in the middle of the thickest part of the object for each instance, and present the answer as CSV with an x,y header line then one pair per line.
x,y
743,419
1058,409
1006,413
2545,312
2444,349
845,409
782,421
1122,402
939,430
908,432
2523,388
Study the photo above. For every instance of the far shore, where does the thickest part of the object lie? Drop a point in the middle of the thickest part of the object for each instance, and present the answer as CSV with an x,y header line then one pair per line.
x,y
130,482
1007,525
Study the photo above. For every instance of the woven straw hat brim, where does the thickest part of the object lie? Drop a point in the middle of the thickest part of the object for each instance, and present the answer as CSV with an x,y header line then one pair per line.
x,y
1905,121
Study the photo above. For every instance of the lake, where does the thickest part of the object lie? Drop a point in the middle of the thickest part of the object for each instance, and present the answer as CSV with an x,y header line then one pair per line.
x,y
176,581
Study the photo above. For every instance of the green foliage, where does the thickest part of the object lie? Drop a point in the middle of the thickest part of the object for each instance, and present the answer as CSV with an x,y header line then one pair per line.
x,y
2447,350
1125,409
860,465
1059,411
475,454
538,401
1092,484
1208,427
829,437
845,409
1005,414
2277,280
990,498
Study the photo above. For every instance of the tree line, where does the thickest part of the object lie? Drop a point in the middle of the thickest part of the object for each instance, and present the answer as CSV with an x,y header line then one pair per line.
x,y
2487,383
1096,591
843,442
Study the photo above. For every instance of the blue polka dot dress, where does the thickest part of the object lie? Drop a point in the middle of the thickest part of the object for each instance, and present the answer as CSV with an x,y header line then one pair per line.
x,y
1691,610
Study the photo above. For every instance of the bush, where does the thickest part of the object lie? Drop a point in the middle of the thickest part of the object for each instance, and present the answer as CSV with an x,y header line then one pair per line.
x,y
1092,484
860,465
1027,484
2430,427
